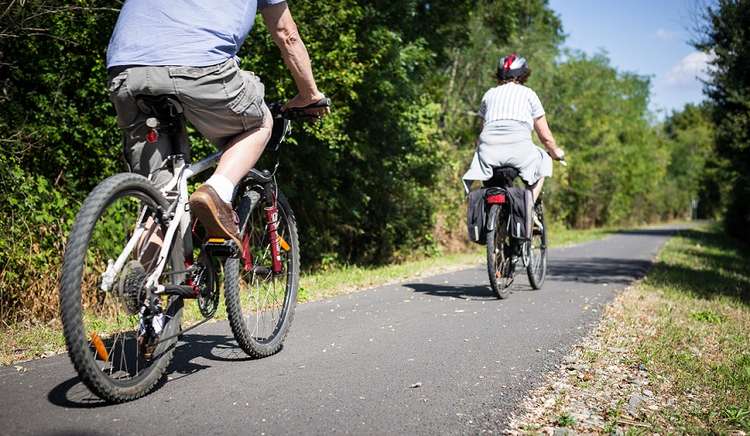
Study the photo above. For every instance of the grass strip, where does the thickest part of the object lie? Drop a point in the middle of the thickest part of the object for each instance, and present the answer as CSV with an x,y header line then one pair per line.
x,y
672,354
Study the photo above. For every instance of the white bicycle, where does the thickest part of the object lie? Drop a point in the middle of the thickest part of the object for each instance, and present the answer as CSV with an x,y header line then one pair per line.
x,y
134,256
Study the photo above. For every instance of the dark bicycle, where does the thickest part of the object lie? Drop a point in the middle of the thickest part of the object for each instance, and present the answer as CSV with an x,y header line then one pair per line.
x,y
504,252
134,256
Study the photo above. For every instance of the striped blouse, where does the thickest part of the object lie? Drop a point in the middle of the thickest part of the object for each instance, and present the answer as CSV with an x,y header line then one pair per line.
x,y
511,101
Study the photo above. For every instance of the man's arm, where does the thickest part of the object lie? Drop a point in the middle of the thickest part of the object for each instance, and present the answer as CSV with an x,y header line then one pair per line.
x,y
284,32
545,135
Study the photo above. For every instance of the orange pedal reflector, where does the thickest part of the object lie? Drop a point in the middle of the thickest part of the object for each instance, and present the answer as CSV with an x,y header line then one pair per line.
x,y
101,351
283,244
216,240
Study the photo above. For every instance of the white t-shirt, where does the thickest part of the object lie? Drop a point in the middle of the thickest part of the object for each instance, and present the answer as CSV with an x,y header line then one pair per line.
x,y
511,101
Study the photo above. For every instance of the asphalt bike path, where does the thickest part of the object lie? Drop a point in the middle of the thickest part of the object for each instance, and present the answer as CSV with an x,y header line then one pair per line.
x,y
430,355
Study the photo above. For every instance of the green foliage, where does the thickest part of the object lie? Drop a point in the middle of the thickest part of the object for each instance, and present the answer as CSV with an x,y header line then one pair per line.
x,y
378,180
725,35
600,117
693,164
565,420
708,316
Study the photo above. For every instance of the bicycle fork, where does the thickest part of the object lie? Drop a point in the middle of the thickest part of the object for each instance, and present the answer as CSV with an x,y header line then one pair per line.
x,y
272,228
271,215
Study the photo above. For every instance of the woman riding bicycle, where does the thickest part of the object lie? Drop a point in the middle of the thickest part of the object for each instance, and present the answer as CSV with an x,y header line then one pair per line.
x,y
510,111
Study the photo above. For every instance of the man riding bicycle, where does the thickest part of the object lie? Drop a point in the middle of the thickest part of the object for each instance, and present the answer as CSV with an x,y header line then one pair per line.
x,y
188,49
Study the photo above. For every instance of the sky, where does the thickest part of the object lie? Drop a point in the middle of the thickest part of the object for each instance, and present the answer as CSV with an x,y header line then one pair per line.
x,y
646,37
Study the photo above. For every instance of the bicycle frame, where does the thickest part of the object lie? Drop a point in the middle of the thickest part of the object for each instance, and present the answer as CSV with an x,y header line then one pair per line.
x,y
175,190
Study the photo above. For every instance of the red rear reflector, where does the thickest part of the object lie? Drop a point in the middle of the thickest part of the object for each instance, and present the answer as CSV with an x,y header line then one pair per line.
x,y
152,136
496,199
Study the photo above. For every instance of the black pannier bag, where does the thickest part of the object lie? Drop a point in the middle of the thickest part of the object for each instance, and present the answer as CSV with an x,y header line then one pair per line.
x,y
521,201
476,216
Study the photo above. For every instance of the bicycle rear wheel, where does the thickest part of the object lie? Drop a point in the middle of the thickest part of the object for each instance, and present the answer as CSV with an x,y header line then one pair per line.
x,y
499,259
536,268
260,303
108,319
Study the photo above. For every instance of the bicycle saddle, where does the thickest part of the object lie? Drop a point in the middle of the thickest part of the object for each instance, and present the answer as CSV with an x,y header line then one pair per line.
x,y
160,106
503,176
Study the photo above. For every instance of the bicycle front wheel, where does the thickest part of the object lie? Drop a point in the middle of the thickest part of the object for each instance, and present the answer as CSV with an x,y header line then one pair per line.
x,y
260,302
499,259
536,268
109,318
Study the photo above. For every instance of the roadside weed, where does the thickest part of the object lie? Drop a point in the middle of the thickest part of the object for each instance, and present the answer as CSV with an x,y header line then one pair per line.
x,y
566,420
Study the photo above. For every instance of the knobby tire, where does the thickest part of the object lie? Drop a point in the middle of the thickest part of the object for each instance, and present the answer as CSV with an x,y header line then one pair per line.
x,y
71,304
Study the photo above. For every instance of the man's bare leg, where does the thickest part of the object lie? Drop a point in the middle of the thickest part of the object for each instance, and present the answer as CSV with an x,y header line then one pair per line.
x,y
536,189
240,156
243,152
210,204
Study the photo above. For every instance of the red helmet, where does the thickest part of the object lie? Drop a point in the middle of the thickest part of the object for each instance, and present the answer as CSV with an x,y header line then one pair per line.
x,y
511,67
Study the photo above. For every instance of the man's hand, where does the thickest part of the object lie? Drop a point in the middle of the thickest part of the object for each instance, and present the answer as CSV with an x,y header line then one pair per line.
x,y
556,153
301,101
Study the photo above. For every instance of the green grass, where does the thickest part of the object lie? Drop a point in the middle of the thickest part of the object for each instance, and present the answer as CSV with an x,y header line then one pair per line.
x,y
701,316
566,420
22,342
682,333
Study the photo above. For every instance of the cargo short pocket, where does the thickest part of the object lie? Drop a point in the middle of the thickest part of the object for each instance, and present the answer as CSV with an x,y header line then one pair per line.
x,y
115,83
248,101
119,95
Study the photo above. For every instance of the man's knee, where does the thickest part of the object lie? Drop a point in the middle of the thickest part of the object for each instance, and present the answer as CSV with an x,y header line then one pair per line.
x,y
267,119
266,126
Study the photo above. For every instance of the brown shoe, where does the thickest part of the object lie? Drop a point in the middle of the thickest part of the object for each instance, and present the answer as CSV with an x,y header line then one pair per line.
x,y
217,217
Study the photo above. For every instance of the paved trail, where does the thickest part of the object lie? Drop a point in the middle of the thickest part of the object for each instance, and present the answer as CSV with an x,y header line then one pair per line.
x,y
349,363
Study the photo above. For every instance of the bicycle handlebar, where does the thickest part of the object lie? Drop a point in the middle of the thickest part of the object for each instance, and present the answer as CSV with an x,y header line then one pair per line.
x,y
309,112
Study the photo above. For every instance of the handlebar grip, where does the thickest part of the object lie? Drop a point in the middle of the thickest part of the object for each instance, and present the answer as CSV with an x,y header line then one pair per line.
x,y
320,104
309,112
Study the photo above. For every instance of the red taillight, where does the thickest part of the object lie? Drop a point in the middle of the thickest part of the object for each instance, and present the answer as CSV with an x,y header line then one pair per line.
x,y
152,136
496,199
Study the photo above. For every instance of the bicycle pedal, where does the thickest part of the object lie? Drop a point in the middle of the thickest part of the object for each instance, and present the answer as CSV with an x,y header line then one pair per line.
x,y
221,247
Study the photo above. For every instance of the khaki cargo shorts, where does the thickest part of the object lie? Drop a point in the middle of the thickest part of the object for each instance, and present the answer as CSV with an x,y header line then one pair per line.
x,y
220,101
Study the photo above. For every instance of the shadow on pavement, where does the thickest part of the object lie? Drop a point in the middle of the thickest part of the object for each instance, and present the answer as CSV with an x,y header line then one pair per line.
x,y
73,394
462,292
189,357
597,270
649,232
